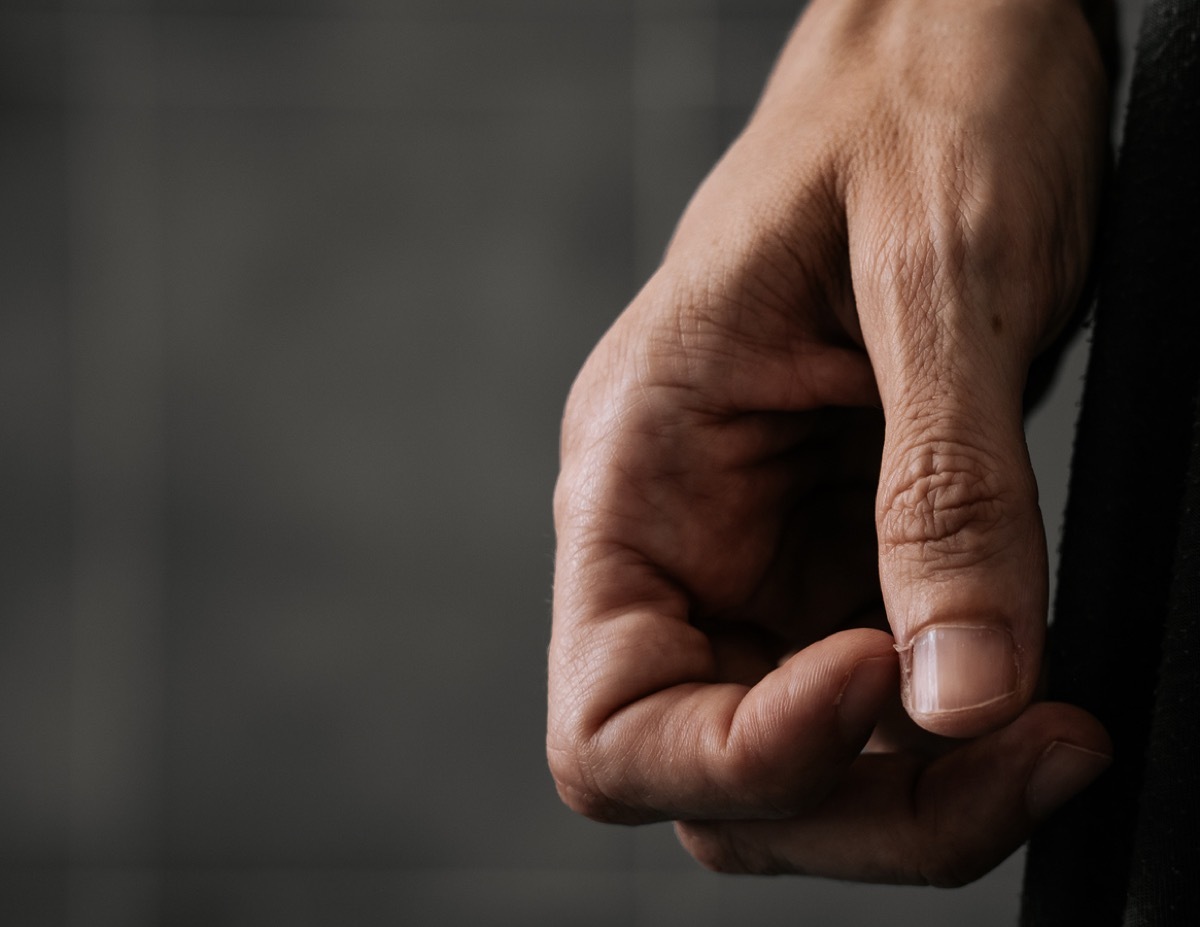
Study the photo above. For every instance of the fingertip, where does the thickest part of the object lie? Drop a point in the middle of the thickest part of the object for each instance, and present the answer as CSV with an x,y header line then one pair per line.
x,y
1062,771
963,679
869,685
843,679
853,645
1064,748
863,666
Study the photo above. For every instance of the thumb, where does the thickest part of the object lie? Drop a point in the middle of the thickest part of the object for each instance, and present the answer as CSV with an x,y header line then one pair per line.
x,y
962,561
962,552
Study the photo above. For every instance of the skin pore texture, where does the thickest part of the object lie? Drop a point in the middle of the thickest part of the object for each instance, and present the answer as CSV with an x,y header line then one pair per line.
x,y
800,592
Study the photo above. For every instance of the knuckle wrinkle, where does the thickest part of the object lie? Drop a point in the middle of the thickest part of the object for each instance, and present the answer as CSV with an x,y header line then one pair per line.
x,y
943,504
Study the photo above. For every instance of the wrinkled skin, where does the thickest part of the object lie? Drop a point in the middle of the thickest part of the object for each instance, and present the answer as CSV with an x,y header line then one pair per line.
x,y
801,446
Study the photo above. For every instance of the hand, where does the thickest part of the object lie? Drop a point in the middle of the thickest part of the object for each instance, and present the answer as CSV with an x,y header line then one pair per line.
x,y
807,428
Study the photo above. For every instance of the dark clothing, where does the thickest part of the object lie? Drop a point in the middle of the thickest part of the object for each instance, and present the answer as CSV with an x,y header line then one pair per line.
x,y
1125,643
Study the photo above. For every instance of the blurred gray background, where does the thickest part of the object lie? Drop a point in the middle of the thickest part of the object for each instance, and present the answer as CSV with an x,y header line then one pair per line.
x,y
291,294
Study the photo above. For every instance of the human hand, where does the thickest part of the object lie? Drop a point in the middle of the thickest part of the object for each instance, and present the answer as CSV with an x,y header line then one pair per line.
x,y
806,428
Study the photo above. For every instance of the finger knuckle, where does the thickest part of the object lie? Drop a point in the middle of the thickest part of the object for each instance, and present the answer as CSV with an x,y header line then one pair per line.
x,y
576,784
947,500
589,804
574,770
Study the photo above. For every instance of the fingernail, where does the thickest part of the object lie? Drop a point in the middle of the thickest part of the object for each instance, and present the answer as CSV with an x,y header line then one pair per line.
x,y
953,667
859,701
1062,771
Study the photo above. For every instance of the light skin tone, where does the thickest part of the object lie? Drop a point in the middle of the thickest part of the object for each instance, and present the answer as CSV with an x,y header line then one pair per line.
x,y
800,593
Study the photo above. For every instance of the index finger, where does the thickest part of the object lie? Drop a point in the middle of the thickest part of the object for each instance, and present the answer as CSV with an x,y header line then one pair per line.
x,y
640,728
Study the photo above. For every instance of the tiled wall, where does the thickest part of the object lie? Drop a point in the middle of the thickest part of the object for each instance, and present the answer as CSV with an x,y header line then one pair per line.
x,y
290,297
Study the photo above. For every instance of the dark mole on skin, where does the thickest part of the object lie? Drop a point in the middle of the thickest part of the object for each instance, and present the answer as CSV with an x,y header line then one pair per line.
x,y
997,324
